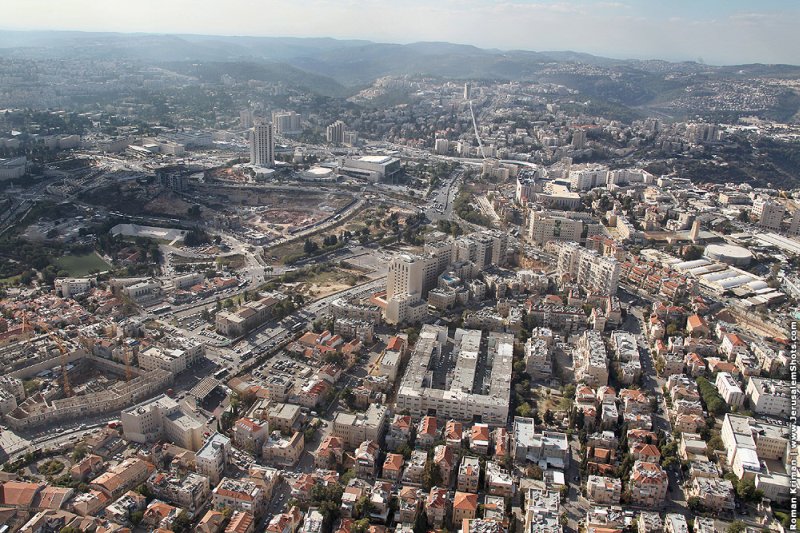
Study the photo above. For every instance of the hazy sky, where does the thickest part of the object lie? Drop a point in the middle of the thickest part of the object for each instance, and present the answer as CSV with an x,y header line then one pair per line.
x,y
717,31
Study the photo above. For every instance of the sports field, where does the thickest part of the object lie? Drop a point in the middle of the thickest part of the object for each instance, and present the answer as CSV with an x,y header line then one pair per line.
x,y
82,265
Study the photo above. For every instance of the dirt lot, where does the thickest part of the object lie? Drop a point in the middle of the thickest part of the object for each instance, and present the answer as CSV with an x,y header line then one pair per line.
x,y
326,283
167,203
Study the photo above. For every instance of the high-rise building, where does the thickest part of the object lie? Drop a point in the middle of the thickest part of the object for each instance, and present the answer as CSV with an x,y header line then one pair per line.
x,y
406,275
410,276
334,133
246,118
794,225
592,271
578,139
286,123
467,91
694,234
768,212
442,146
262,145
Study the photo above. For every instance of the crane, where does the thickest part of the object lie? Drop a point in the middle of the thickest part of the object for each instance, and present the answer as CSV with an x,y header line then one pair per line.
x,y
128,371
60,344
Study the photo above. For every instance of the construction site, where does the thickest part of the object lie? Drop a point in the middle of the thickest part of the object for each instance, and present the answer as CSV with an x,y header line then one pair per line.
x,y
63,382
273,212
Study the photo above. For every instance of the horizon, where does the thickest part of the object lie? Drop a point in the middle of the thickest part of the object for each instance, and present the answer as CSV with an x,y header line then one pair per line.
x,y
717,32
700,61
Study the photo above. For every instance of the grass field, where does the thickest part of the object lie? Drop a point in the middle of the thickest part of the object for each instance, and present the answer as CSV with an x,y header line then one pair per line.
x,y
82,265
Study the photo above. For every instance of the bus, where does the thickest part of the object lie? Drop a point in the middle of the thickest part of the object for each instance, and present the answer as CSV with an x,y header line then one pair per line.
x,y
219,374
161,309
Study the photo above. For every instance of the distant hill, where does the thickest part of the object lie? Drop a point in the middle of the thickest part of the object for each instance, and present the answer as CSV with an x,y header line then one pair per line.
x,y
336,67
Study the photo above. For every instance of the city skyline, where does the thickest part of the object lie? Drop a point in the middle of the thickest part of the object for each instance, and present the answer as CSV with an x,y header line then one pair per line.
x,y
716,32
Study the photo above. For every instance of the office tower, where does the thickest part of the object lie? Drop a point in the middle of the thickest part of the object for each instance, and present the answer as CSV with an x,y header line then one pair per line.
x,y
262,145
467,91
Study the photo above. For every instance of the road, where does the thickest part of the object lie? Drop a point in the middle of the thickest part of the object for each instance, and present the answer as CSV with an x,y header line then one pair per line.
x,y
653,384
441,198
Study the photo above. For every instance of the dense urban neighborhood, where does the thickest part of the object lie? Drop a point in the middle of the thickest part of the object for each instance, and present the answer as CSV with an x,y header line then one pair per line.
x,y
245,298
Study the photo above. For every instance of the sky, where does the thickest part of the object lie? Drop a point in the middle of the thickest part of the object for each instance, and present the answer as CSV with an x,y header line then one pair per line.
x,y
713,31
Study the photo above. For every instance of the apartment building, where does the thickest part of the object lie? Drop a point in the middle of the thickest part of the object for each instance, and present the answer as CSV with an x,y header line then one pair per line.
x,y
249,435
714,493
281,450
262,145
538,361
366,459
445,461
592,271
354,429
604,490
768,213
469,473
498,480
591,360
547,449
770,397
399,432
459,401
189,491
282,416
238,495
212,458
465,506
648,484
411,277
729,389
542,511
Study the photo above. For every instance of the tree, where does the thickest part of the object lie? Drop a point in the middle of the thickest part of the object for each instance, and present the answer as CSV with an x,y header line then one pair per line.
x,y
694,504
182,523
360,526
310,247
431,476
144,490
692,253
345,478
524,410
421,523
737,527
363,508
746,490
404,450
79,452
534,472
